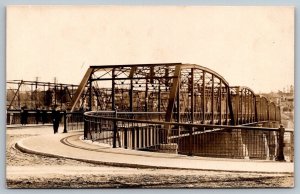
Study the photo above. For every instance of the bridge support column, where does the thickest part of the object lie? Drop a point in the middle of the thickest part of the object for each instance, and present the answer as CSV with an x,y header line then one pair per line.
x,y
241,142
266,145
258,144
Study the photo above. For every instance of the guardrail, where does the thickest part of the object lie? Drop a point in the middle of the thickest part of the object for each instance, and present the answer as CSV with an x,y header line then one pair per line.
x,y
143,131
14,117
70,121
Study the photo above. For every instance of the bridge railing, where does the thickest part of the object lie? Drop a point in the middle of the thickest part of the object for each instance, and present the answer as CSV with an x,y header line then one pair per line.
x,y
74,121
70,121
14,117
123,130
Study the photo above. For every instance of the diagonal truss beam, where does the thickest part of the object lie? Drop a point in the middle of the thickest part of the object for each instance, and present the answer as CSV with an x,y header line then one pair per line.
x,y
80,88
10,104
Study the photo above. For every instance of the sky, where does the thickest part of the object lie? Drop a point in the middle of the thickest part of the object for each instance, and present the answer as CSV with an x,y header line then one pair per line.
x,y
248,46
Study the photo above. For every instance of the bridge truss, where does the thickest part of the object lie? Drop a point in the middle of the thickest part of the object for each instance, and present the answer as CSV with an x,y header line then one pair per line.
x,y
185,93
169,106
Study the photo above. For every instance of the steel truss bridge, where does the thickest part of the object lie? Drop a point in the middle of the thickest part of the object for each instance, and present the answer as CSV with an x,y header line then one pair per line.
x,y
175,107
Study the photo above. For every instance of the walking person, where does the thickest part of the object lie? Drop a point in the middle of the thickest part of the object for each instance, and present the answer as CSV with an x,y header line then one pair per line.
x,y
24,115
44,116
37,115
56,119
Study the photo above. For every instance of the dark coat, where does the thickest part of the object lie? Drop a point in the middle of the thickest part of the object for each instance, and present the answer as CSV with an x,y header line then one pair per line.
x,y
24,116
56,116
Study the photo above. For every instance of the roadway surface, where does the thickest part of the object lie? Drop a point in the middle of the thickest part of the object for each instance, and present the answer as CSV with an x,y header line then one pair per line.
x,y
70,145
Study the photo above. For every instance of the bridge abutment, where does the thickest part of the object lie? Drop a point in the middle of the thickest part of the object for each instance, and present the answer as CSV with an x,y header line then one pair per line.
x,y
236,143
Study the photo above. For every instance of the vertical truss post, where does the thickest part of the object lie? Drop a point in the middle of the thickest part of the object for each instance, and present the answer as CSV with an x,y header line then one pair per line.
x,y
191,129
90,93
36,93
192,95
113,105
60,95
159,97
113,85
44,88
31,96
166,75
264,110
279,114
203,98
55,93
152,74
226,106
146,96
173,92
212,98
274,113
232,121
50,94
260,109
241,107
19,99
256,109
268,112
251,108
131,96
178,108
178,104
248,106
132,71
245,107
220,103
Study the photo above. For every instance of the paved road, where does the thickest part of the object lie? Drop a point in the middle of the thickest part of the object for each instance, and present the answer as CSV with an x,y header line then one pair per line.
x,y
71,146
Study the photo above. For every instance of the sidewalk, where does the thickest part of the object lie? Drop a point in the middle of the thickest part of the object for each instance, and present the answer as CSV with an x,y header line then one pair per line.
x,y
28,125
69,145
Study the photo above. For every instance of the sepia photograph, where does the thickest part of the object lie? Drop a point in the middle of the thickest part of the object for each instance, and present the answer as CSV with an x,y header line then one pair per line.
x,y
118,96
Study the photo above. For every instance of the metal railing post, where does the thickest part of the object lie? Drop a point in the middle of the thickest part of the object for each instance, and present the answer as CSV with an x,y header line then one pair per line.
x,y
291,146
85,128
280,155
191,142
125,138
115,130
65,122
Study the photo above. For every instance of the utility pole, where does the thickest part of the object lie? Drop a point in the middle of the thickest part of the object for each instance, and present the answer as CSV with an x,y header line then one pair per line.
x,y
55,80
36,92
